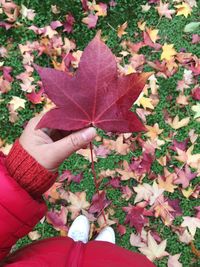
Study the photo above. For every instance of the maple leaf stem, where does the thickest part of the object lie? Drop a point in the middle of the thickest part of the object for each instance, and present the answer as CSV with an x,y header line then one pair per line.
x,y
95,180
93,169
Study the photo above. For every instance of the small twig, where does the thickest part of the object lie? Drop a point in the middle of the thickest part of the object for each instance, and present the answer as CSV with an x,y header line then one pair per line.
x,y
159,20
111,27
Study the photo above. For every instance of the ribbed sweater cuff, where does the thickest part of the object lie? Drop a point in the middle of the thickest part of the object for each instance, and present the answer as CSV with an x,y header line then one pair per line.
x,y
28,173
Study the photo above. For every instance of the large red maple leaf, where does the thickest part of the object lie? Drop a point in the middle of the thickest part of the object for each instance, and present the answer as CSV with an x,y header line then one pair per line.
x,y
97,95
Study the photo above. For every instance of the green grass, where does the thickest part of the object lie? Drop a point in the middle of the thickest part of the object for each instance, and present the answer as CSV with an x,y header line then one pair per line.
x,y
170,31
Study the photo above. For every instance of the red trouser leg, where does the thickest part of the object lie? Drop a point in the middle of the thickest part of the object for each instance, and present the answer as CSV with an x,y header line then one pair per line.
x,y
105,254
64,252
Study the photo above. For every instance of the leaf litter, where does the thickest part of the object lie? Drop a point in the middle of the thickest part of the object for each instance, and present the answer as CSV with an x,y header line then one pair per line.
x,y
155,171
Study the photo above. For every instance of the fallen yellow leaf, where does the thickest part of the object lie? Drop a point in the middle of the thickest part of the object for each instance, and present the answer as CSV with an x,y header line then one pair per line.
x,y
153,84
196,109
6,149
167,183
78,203
86,153
34,235
17,102
183,9
117,145
164,211
153,34
187,192
145,102
141,25
153,131
121,29
101,10
168,51
177,124
162,160
145,8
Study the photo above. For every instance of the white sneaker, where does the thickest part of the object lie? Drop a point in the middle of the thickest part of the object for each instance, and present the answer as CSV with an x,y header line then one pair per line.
x,y
79,230
107,234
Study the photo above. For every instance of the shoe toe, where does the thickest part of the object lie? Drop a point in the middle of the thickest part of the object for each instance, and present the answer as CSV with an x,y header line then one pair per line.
x,y
107,234
80,224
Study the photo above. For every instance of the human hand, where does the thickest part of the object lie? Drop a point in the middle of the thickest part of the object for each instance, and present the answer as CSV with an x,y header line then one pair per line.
x,y
48,153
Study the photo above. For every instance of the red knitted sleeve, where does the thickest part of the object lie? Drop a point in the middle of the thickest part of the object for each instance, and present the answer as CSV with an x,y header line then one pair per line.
x,y
28,173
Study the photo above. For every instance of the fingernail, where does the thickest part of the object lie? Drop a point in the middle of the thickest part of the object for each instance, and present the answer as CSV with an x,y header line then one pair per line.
x,y
88,134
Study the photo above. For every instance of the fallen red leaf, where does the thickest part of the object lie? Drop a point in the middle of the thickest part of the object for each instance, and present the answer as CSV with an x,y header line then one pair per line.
x,y
121,229
67,175
55,24
90,20
175,204
198,211
196,93
195,39
179,145
5,25
99,202
136,217
69,23
35,97
85,5
143,164
6,73
58,218
184,176
148,42
115,182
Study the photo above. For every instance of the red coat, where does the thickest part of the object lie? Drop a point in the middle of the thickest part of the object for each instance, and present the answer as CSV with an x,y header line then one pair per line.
x,y
19,213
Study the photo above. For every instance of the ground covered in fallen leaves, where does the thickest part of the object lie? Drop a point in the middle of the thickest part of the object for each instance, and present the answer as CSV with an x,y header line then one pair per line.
x,y
149,181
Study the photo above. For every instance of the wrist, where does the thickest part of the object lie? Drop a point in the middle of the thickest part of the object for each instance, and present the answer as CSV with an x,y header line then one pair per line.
x,y
29,174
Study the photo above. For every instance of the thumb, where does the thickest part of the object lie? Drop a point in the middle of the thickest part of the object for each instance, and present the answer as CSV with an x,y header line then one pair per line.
x,y
69,144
